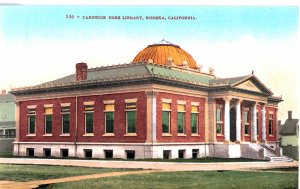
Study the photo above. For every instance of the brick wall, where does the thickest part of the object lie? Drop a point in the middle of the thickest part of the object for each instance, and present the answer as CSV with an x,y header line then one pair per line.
x,y
173,128
99,125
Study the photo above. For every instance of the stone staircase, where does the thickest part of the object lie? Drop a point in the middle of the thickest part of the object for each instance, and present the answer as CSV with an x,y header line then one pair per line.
x,y
271,154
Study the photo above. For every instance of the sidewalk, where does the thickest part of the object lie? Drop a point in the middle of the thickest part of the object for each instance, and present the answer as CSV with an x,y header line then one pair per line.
x,y
166,166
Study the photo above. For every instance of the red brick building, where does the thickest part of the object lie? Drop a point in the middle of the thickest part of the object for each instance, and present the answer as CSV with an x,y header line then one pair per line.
x,y
161,105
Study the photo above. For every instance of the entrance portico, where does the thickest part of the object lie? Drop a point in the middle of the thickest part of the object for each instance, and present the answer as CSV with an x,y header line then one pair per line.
x,y
240,113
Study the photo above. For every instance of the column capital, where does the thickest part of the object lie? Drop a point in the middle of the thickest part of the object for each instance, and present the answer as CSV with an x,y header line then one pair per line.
x,y
151,93
227,98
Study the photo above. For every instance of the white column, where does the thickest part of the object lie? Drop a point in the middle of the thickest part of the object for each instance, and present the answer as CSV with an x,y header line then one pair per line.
x,y
227,119
154,117
254,124
263,124
238,121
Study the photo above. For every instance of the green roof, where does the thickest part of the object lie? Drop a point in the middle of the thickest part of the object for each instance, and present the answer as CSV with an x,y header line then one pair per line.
x,y
169,72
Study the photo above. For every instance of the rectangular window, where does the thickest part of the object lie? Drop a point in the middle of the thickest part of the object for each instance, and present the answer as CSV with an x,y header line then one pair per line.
x,y
88,153
109,154
64,152
131,117
65,123
270,124
30,152
180,118
31,121
194,119
246,120
219,120
166,154
109,118
89,118
47,152
166,111
181,154
65,119
48,124
195,153
48,111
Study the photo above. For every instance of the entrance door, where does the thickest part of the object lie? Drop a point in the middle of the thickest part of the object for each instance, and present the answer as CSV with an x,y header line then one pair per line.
x,y
232,124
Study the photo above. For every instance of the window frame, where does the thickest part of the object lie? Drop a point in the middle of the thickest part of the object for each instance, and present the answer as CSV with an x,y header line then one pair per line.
x,y
169,117
88,109
31,112
130,106
106,111
182,112
270,120
64,113
48,113
221,121
196,113
247,122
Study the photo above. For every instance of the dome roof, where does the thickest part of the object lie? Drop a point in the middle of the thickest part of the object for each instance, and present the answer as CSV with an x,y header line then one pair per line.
x,y
164,53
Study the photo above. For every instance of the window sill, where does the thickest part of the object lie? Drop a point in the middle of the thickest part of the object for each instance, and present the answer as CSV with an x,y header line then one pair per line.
x,y
166,134
30,135
130,134
246,135
65,134
181,134
47,135
109,134
220,135
89,134
195,135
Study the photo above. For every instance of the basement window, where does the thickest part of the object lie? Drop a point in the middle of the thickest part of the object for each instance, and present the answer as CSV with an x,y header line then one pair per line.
x,y
30,152
64,152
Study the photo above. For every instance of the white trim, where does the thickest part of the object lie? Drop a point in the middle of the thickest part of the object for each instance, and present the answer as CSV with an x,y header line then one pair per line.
x,y
195,103
121,144
166,100
166,134
130,134
48,134
30,135
108,101
65,104
88,134
109,134
64,134
132,100
31,106
89,103
48,105
181,102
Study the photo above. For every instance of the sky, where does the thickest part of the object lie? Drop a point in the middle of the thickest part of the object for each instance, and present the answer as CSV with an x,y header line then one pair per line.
x,y
41,43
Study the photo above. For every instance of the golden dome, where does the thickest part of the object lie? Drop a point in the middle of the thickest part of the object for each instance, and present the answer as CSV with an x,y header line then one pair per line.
x,y
164,53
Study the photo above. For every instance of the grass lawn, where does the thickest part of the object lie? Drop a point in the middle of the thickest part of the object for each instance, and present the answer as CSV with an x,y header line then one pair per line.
x,y
197,179
6,154
42,172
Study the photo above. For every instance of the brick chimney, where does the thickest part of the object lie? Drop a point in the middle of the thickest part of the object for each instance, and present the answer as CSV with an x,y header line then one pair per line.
x,y
81,71
290,115
3,91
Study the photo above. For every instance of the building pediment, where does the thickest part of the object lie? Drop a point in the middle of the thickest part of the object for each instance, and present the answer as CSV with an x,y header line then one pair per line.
x,y
252,83
249,85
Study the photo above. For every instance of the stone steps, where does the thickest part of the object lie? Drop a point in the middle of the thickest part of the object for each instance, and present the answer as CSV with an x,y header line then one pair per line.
x,y
280,159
